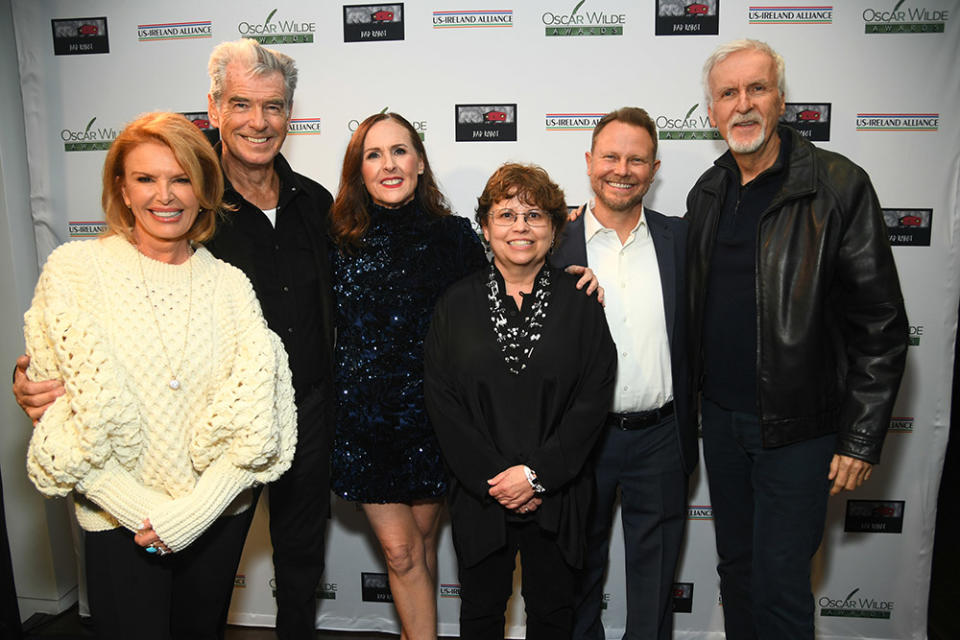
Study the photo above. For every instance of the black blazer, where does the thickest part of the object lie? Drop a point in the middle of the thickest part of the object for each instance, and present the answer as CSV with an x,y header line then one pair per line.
x,y
669,235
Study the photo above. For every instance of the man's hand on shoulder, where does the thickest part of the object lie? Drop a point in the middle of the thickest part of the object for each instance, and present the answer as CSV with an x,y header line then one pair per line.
x,y
587,278
34,397
848,473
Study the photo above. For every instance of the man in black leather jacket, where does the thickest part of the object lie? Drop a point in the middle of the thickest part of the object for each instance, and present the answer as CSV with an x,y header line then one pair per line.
x,y
797,337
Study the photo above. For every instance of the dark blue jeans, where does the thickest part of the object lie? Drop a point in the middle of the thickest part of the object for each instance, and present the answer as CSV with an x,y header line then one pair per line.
x,y
769,508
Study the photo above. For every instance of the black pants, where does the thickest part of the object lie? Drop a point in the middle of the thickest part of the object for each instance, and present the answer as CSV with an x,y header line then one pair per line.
x,y
769,508
299,509
645,464
547,588
180,596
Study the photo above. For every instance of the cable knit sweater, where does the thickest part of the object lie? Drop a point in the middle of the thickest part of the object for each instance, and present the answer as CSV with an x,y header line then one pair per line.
x,y
121,439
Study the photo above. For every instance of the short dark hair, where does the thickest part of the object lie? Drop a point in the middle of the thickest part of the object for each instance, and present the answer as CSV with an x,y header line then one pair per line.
x,y
630,115
531,185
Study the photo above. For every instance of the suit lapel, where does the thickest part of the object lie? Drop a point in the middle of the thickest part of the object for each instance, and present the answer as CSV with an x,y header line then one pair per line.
x,y
572,248
666,258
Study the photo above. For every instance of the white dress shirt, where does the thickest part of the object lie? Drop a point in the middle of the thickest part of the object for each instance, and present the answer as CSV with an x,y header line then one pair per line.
x,y
630,276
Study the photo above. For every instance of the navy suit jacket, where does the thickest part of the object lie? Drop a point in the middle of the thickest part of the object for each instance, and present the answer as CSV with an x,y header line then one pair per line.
x,y
669,240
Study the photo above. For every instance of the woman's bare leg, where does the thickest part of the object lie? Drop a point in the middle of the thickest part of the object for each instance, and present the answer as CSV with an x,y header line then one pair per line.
x,y
411,575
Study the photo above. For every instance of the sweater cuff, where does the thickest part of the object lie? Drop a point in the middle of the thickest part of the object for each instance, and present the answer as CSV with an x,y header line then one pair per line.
x,y
118,493
179,522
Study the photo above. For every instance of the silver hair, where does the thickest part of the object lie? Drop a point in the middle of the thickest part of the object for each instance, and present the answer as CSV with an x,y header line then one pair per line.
x,y
745,44
257,59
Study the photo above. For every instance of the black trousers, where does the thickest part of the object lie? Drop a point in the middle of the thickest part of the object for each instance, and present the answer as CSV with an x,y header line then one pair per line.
x,y
769,508
645,465
299,509
547,587
180,596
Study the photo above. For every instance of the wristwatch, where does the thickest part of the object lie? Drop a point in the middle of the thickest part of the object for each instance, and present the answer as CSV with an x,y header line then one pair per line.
x,y
532,479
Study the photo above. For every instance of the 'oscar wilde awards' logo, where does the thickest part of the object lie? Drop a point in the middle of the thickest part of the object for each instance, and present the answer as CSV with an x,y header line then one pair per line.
x,y
420,126
479,19
583,23
690,127
790,15
688,18
900,19
89,139
914,333
279,31
372,22
855,607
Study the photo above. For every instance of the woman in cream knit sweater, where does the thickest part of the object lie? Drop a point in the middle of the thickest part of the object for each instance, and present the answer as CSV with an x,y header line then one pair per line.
x,y
178,398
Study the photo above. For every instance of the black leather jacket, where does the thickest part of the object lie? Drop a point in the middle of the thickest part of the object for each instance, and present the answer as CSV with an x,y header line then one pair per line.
x,y
831,325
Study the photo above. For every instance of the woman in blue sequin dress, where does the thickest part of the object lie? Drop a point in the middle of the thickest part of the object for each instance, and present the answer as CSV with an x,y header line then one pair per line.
x,y
398,249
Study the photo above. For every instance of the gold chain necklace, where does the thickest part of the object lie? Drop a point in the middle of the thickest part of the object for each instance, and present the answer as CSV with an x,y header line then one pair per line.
x,y
174,378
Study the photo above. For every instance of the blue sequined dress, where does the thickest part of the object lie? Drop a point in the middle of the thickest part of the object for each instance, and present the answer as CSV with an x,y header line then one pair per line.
x,y
384,449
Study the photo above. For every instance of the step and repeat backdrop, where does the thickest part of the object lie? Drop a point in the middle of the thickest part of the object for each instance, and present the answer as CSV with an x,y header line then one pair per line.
x,y
488,82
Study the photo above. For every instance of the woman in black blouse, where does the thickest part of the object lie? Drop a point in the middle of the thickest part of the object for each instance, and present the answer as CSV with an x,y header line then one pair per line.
x,y
519,374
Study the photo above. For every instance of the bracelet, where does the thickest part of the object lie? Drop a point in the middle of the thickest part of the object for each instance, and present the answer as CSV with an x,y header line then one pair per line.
x,y
532,479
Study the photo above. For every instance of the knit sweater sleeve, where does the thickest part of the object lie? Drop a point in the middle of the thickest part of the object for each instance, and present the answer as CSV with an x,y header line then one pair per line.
x,y
90,437
248,434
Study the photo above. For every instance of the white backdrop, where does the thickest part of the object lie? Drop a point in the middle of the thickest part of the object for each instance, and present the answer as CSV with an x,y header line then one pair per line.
x,y
876,80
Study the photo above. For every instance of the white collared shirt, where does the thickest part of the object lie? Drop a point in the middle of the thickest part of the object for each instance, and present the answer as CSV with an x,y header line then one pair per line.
x,y
630,276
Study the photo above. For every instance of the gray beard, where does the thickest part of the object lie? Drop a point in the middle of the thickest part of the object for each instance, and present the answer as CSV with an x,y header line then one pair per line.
x,y
751,145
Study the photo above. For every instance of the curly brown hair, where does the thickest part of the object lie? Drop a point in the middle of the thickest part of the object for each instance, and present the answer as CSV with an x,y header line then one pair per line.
x,y
350,214
531,185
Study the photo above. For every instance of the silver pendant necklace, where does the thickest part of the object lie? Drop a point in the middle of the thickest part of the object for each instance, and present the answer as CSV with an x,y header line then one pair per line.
x,y
174,378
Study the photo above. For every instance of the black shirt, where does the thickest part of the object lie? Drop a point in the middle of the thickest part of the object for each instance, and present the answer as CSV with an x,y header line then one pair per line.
x,y
730,315
548,416
288,266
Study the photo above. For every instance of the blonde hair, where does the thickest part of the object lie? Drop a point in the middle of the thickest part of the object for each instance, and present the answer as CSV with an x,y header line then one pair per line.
x,y
194,155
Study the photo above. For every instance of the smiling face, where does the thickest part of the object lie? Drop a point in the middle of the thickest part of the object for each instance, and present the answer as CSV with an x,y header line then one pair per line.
x,y
252,116
621,166
746,102
518,245
159,194
391,165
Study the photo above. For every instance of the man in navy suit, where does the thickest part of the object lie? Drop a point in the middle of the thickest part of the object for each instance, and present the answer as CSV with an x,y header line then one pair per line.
x,y
650,445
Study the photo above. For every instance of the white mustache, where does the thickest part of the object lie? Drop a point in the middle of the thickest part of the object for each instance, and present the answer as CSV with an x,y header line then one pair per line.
x,y
751,116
